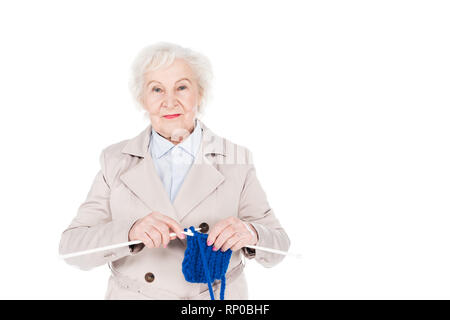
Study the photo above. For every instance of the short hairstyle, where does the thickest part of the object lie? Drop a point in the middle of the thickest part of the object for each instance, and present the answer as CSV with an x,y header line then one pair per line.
x,y
163,54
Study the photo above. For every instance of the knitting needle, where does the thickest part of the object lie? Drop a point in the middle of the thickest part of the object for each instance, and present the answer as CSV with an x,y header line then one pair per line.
x,y
296,255
189,233
119,245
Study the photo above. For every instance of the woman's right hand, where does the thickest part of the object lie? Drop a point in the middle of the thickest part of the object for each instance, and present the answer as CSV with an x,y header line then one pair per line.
x,y
154,229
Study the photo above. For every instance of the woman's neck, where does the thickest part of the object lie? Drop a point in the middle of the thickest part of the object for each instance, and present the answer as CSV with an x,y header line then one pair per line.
x,y
179,136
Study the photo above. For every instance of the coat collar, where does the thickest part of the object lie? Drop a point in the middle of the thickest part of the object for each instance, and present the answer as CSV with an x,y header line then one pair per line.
x,y
201,180
211,143
159,145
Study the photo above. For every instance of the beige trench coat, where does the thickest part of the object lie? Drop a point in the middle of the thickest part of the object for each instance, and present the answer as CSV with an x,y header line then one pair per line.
x,y
221,182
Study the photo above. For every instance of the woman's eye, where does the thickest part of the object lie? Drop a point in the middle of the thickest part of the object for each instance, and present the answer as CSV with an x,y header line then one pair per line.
x,y
157,89
182,87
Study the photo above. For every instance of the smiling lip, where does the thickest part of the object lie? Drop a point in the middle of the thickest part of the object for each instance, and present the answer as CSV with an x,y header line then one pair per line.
x,y
171,116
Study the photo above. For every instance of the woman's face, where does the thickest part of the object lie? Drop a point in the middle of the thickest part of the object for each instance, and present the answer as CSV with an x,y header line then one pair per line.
x,y
172,90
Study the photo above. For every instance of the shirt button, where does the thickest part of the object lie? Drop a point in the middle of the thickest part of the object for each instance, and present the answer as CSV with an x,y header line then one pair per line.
x,y
149,277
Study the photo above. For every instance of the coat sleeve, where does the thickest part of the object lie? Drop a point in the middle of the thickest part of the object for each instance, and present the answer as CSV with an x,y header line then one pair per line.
x,y
255,209
94,227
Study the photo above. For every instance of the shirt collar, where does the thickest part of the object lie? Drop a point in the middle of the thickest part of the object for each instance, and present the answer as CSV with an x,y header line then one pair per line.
x,y
159,145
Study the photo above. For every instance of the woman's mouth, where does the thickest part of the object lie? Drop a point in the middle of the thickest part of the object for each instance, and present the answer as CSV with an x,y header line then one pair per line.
x,y
171,116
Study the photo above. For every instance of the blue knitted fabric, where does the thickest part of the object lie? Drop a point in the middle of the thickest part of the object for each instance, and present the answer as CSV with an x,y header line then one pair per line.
x,y
203,265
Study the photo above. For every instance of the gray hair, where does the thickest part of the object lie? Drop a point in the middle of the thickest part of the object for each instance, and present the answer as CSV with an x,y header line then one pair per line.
x,y
163,54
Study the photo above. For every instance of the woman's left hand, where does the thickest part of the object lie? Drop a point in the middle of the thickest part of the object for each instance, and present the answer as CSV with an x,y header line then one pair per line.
x,y
232,233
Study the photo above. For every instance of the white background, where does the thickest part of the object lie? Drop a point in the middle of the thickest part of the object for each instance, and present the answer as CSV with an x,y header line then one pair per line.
x,y
345,105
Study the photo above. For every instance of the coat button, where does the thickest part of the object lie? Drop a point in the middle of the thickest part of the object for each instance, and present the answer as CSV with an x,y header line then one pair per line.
x,y
149,277
204,227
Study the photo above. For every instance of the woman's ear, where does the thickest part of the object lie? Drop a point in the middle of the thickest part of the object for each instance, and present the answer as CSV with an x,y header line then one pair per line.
x,y
200,93
200,98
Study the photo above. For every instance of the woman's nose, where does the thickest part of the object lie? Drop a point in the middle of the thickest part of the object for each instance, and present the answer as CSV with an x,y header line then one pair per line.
x,y
171,101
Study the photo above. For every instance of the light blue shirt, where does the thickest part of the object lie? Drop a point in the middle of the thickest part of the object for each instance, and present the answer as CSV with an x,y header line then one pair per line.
x,y
172,161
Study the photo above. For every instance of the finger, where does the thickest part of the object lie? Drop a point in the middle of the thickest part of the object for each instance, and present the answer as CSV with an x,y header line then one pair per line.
x,y
148,241
226,233
164,231
175,226
239,245
217,229
155,235
238,236
155,214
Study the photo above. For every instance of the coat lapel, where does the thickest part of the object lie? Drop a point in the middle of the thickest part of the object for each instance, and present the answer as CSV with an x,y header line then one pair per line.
x,y
143,180
200,181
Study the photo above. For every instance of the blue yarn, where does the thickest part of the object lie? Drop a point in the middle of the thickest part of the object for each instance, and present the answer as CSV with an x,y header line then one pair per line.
x,y
203,265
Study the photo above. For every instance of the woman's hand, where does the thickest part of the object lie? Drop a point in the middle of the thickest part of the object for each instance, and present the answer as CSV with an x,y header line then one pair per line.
x,y
154,229
232,233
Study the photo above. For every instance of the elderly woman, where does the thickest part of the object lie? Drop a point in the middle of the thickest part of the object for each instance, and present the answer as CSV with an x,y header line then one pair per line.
x,y
175,174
